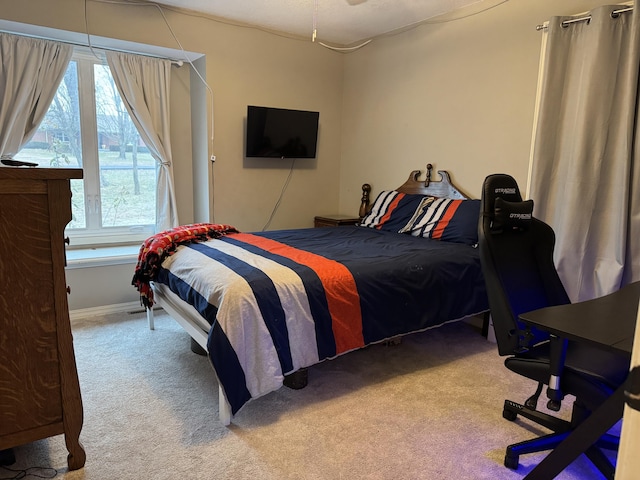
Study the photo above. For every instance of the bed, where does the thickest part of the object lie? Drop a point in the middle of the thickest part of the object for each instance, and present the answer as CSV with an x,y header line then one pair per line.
x,y
265,305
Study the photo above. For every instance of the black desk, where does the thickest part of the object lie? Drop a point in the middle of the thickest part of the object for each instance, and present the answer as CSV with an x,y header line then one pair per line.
x,y
607,322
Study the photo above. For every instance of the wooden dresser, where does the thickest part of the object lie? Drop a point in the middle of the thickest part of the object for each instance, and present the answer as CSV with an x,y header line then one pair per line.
x,y
39,388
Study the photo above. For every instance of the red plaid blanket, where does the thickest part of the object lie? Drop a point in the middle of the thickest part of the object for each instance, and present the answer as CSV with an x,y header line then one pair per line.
x,y
159,246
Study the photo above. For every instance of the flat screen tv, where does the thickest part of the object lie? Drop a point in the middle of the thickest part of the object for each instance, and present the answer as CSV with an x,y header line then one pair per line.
x,y
281,133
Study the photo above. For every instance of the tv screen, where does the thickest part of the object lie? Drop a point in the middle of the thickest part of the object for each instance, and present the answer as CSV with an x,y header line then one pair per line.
x,y
282,133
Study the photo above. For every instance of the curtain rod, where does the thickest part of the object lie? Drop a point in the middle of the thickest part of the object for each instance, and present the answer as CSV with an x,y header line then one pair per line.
x,y
178,63
586,18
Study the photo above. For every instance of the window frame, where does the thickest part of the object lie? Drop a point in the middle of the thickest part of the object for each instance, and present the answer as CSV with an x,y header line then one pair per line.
x,y
94,234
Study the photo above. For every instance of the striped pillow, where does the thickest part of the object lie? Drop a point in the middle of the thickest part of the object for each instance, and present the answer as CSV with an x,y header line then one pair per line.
x,y
393,211
446,219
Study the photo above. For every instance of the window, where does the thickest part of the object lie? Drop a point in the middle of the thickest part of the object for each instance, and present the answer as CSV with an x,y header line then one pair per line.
x,y
87,126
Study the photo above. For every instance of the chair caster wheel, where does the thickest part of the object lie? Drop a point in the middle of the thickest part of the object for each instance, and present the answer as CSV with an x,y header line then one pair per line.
x,y
509,415
511,461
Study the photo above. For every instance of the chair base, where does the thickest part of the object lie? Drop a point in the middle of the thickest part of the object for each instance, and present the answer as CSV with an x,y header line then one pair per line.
x,y
561,429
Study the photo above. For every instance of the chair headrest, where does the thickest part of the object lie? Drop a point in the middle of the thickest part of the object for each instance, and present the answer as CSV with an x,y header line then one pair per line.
x,y
502,203
511,215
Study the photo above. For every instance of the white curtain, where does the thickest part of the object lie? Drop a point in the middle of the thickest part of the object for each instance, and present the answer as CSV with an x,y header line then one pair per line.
x,y
30,72
143,83
584,173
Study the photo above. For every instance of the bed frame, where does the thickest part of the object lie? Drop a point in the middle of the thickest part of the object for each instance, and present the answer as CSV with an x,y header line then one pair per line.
x,y
441,188
197,327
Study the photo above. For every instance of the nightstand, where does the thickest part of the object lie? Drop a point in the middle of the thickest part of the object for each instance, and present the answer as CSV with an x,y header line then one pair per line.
x,y
334,220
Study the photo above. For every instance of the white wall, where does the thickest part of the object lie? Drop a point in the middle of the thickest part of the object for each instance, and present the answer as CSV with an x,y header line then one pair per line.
x,y
628,460
101,286
458,94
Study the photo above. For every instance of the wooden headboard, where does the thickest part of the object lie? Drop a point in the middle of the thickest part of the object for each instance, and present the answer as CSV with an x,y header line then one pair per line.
x,y
441,188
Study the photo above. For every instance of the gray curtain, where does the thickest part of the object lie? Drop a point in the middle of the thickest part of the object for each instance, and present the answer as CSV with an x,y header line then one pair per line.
x,y
143,83
30,71
584,175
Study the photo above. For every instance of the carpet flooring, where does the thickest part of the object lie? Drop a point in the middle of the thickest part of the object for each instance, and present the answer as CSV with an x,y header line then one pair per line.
x,y
429,408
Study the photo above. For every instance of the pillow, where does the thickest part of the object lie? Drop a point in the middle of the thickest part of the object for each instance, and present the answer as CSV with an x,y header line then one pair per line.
x,y
446,219
511,215
392,210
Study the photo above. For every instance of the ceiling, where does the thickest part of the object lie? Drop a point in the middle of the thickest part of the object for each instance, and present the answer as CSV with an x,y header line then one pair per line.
x,y
340,22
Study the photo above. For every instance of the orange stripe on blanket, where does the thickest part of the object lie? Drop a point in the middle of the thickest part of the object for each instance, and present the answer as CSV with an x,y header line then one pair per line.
x,y
390,209
438,230
339,286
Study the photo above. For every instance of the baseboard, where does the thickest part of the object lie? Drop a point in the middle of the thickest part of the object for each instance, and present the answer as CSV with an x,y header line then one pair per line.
x,y
82,313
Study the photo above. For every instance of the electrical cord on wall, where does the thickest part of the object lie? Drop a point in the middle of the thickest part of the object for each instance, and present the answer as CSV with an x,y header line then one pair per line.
x,y
315,15
392,32
212,156
284,188
175,38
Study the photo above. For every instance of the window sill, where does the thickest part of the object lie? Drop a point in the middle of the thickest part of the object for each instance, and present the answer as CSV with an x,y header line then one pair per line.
x,y
102,256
